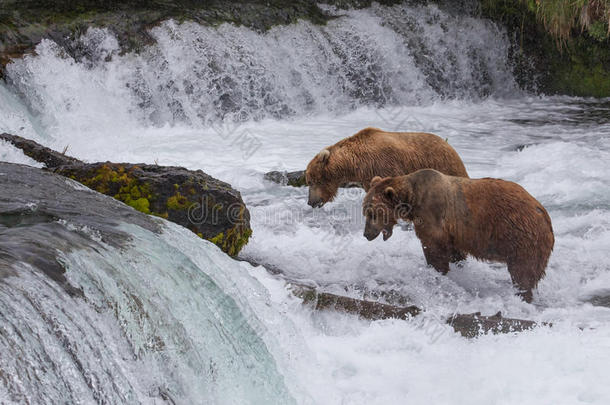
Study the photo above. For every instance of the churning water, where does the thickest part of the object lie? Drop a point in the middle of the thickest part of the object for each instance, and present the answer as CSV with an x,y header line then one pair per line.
x,y
236,103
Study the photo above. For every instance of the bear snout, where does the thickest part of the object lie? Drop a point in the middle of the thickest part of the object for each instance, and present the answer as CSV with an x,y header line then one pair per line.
x,y
370,236
314,198
370,233
315,203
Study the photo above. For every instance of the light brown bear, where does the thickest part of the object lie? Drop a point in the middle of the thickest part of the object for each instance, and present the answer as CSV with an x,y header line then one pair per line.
x,y
490,219
373,152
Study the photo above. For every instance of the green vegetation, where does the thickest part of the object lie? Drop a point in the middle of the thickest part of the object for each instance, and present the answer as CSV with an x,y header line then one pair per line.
x,y
178,202
297,181
566,18
233,241
563,46
118,182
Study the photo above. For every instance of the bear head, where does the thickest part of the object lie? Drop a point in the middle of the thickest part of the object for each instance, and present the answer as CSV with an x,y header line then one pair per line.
x,y
323,185
384,205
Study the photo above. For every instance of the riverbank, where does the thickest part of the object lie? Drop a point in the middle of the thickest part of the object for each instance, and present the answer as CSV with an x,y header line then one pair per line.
x,y
574,61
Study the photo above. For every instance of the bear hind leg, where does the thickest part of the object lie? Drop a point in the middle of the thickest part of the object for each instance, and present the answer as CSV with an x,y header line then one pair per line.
x,y
524,279
437,255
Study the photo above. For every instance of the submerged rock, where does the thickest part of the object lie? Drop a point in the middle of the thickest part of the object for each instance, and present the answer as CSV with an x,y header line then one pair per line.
x,y
473,325
297,179
467,325
209,207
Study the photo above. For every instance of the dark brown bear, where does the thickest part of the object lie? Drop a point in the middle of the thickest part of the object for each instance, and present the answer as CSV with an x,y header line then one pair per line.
x,y
373,152
490,219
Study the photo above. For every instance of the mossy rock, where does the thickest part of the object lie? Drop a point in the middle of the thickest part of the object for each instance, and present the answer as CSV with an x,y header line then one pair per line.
x,y
210,208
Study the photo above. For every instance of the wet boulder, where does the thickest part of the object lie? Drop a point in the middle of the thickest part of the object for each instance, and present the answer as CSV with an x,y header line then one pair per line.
x,y
297,179
294,179
209,207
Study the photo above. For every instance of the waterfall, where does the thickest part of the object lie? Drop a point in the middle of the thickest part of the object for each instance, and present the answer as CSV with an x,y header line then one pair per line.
x,y
199,75
100,304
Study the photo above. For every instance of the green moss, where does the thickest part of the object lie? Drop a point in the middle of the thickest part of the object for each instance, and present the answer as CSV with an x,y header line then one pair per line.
x,y
119,182
116,181
178,202
135,192
599,31
579,80
298,182
240,242
163,215
217,240
141,204
233,240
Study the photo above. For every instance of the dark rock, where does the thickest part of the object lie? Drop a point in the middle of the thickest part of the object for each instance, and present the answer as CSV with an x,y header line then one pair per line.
x,y
473,325
468,325
365,309
38,152
209,207
599,299
297,179
519,147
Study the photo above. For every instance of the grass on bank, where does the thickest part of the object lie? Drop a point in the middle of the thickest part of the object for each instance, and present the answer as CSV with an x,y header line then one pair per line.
x,y
564,18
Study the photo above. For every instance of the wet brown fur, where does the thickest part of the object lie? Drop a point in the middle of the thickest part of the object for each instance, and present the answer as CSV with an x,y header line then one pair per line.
x,y
490,219
372,152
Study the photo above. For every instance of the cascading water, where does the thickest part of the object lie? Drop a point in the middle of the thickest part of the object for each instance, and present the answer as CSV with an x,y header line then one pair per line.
x,y
197,75
185,99
136,320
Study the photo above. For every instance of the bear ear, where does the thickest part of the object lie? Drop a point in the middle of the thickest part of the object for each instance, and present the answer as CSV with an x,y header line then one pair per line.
x,y
389,193
375,180
324,155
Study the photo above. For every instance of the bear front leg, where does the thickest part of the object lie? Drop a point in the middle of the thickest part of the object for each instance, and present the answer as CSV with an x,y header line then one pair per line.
x,y
437,256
